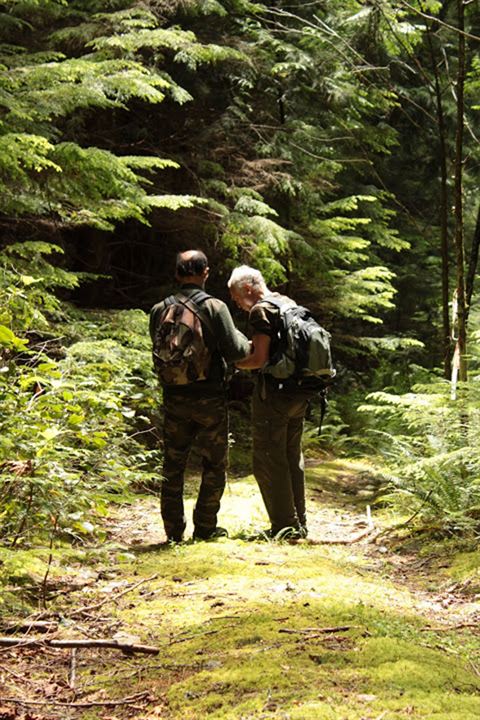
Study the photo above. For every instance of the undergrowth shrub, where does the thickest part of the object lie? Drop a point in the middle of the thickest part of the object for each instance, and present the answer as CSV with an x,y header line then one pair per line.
x,y
77,397
432,446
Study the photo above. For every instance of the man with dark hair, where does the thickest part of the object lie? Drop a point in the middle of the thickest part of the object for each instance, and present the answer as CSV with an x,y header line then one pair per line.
x,y
195,402
192,265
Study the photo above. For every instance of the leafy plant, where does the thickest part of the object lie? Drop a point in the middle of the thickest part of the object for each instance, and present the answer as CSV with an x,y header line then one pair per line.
x,y
74,409
431,444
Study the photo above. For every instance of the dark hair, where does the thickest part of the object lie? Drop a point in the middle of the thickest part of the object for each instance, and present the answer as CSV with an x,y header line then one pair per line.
x,y
195,265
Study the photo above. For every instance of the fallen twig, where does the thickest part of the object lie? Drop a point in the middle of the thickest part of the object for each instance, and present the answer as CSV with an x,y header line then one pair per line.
x,y
319,631
459,626
73,670
110,598
27,625
129,700
347,541
474,668
115,644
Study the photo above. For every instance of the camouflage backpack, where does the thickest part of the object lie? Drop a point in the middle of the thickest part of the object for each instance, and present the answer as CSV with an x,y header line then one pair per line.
x,y
180,354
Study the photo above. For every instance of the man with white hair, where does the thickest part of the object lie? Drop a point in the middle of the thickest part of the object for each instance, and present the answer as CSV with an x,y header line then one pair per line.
x,y
278,409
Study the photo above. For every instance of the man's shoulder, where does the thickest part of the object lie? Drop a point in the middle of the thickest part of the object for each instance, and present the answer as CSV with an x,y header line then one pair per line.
x,y
275,299
271,304
159,306
202,298
215,304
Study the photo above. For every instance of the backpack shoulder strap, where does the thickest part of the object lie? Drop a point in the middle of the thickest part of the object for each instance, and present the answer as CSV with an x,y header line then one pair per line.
x,y
282,305
158,313
199,297
170,300
194,304
273,301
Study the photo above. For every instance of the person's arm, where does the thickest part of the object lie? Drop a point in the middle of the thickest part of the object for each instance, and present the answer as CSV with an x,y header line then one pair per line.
x,y
152,321
259,355
232,344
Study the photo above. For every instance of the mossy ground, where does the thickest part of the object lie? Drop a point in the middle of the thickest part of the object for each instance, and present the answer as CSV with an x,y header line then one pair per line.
x,y
241,624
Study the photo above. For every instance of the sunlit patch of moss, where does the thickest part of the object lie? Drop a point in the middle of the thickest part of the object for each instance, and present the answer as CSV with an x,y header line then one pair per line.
x,y
242,509
235,624
465,565
25,566
252,668
326,710
404,674
203,580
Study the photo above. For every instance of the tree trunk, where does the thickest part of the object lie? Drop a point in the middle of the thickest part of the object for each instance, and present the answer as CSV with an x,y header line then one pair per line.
x,y
444,211
472,265
459,230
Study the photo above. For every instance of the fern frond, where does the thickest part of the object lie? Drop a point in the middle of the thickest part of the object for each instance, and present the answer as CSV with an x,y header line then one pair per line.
x,y
174,202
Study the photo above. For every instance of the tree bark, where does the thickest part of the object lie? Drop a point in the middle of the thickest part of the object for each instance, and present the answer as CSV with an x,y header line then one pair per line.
x,y
472,264
444,210
459,230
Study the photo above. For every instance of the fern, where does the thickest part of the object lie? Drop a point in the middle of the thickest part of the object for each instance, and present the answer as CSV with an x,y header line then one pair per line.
x,y
174,202
431,444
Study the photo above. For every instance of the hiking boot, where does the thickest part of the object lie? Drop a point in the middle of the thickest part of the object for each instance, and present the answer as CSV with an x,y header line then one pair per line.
x,y
290,533
259,536
212,534
175,539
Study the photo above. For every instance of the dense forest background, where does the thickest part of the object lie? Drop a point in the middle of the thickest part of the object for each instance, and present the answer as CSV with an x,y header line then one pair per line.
x,y
332,144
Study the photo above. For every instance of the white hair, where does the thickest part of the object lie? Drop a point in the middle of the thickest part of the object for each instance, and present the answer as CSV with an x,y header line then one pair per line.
x,y
244,275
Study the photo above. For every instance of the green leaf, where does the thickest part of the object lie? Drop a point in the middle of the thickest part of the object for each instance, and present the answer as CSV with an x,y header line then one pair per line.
x,y
8,339
50,433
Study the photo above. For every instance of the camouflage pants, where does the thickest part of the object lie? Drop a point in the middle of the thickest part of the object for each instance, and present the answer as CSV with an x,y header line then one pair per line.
x,y
277,418
187,419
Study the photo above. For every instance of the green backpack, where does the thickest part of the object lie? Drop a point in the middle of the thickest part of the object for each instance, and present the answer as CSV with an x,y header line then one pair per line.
x,y
303,352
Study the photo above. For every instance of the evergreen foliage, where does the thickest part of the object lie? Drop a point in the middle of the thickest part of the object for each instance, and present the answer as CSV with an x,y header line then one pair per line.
x,y
47,169
315,141
73,407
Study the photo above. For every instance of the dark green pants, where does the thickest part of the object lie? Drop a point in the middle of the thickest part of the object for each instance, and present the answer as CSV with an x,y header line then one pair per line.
x,y
277,418
189,419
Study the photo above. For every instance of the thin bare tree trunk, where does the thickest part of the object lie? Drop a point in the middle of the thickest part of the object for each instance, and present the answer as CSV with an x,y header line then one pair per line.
x,y
444,210
459,230
472,264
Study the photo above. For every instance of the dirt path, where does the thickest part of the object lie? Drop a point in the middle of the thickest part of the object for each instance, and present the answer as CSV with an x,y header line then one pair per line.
x,y
343,625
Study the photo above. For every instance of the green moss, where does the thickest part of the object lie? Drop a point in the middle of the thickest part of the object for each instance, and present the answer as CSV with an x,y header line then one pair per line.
x,y
404,675
235,624
466,564
22,565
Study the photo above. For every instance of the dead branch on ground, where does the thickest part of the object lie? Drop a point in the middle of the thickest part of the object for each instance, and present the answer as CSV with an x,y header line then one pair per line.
x,y
316,631
111,598
124,647
129,700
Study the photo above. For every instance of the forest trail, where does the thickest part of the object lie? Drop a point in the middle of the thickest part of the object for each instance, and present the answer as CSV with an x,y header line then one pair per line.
x,y
345,625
